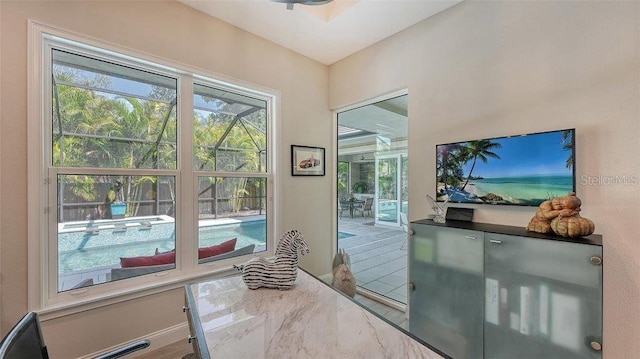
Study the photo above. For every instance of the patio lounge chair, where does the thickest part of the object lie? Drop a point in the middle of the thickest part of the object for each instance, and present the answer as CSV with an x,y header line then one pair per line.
x,y
123,273
366,207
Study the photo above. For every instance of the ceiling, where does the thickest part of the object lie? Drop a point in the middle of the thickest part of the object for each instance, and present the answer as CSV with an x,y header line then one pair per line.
x,y
326,33
380,127
386,118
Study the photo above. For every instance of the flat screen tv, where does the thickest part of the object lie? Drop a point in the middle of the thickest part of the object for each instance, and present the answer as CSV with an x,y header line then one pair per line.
x,y
520,170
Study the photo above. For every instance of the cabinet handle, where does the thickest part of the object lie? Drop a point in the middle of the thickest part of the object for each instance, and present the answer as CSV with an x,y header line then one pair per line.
x,y
596,261
191,338
411,232
596,346
412,286
471,237
496,241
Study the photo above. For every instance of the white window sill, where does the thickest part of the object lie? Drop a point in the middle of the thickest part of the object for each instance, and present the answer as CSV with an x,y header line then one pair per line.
x,y
92,297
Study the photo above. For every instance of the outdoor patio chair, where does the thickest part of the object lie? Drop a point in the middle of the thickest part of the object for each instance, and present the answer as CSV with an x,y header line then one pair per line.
x,y
340,209
366,207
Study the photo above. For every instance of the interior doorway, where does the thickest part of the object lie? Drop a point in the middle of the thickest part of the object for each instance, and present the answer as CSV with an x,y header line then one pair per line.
x,y
372,195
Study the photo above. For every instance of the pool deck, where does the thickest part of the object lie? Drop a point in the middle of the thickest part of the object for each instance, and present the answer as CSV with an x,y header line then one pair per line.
x,y
378,256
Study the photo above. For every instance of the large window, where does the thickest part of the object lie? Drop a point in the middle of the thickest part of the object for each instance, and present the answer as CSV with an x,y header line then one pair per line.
x,y
230,155
149,171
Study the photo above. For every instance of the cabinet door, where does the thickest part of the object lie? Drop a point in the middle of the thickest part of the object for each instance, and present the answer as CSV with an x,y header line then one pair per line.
x,y
446,300
543,298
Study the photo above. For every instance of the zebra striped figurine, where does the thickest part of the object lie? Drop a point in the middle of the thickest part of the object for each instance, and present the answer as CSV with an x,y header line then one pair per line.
x,y
280,272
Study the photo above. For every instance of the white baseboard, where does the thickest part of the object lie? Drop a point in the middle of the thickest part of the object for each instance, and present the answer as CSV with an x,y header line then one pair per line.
x,y
158,339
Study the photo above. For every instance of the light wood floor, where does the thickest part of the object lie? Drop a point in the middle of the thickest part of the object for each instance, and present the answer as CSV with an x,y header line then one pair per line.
x,y
179,349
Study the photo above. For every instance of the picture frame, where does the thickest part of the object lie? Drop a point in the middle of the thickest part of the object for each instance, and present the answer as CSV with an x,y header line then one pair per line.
x,y
307,161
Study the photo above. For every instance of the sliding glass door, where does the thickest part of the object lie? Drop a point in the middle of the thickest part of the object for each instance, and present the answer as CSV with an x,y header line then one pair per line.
x,y
372,193
388,189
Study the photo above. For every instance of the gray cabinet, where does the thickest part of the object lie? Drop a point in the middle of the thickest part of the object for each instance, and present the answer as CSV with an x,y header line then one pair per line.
x,y
446,275
543,298
490,291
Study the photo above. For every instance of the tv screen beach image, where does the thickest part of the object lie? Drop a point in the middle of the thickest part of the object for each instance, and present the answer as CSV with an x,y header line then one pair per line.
x,y
517,170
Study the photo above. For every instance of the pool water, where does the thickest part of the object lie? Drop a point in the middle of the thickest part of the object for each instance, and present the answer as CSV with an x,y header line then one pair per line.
x,y
78,251
388,210
343,235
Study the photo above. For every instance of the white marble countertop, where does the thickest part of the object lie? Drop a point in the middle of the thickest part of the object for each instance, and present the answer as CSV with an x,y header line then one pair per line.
x,y
309,321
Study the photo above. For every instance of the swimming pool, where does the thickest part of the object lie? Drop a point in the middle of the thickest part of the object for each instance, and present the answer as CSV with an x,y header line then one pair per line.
x,y
81,249
388,210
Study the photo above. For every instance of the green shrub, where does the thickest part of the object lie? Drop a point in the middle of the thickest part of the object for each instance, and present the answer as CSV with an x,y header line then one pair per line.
x,y
360,187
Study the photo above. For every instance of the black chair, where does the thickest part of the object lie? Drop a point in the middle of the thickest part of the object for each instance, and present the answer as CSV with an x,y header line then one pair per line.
x,y
25,341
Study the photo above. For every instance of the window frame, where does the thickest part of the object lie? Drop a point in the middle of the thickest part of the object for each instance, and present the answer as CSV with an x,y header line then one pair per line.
x,y
43,292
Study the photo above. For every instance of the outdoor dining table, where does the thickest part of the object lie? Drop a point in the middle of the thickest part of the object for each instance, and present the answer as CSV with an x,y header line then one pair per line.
x,y
352,204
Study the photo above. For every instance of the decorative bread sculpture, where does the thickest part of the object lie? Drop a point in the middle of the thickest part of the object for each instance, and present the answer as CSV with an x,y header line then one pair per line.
x,y
574,226
560,215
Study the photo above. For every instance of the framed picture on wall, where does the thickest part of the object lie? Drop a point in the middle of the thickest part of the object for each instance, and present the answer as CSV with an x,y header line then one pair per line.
x,y
307,161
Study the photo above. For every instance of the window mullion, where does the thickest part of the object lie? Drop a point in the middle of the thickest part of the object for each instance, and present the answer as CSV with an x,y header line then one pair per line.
x,y
186,219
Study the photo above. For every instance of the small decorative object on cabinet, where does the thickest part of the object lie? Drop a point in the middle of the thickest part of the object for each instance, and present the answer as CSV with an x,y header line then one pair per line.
x,y
560,215
438,209
492,291
280,272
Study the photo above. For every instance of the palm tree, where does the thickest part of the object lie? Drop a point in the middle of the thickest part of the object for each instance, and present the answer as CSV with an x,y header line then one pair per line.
x,y
480,150
449,163
444,156
92,129
226,142
567,145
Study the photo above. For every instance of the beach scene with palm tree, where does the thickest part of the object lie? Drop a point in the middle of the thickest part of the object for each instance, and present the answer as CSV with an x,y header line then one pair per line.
x,y
520,170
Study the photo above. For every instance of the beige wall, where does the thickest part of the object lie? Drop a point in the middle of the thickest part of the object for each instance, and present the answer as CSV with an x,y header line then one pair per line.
x,y
173,31
479,69
483,69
